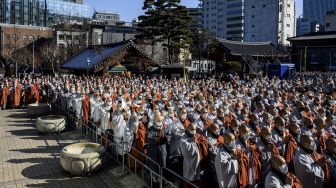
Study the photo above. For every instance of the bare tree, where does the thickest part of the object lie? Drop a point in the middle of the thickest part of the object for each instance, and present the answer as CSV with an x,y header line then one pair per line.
x,y
18,58
50,54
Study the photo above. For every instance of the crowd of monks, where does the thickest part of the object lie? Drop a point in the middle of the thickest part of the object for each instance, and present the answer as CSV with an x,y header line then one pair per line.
x,y
242,133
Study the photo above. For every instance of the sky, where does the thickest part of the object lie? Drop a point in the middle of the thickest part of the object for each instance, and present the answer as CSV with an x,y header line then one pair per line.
x,y
131,9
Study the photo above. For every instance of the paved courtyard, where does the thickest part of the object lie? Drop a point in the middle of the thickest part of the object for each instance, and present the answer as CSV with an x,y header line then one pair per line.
x,y
28,159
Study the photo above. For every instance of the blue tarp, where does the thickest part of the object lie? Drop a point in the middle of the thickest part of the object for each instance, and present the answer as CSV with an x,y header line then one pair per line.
x,y
281,71
95,56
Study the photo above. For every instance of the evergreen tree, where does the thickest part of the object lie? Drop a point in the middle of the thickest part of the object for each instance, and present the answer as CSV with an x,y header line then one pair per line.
x,y
168,22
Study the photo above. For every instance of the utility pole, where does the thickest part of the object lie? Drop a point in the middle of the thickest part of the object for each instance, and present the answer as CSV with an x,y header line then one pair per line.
x,y
88,65
305,59
330,62
33,54
184,72
300,61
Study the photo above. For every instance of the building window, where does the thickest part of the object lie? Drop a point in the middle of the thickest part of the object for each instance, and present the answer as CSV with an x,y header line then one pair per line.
x,y
288,15
252,25
288,25
7,36
327,24
288,5
252,36
253,6
253,16
7,46
61,37
234,32
264,6
234,25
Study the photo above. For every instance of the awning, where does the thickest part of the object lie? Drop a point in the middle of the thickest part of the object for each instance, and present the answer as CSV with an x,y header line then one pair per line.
x,y
249,48
118,69
153,69
191,69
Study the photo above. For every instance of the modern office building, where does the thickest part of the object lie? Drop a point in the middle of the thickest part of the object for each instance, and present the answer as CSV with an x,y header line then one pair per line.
x,y
101,34
330,24
269,20
196,15
304,26
224,18
108,18
315,10
251,20
42,12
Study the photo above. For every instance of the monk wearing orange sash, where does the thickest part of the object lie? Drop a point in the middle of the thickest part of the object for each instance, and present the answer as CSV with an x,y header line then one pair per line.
x,y
17,95
4,95
86,108
138,146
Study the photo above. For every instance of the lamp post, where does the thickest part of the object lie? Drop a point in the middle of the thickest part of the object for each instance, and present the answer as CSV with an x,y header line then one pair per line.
x,y
88,64
200,32
33,54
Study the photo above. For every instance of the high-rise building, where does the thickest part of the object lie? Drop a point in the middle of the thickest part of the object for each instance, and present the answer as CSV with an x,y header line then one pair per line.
x,y
251,20
304,26
224,18
315,10
269,20
42,12
196,19
330,24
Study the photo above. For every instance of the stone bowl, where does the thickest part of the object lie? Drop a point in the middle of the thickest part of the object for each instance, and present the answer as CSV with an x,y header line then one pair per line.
x,y
38,109
51,124
82,158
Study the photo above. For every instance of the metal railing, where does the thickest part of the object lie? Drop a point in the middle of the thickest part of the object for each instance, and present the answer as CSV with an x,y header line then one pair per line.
x,y
134,161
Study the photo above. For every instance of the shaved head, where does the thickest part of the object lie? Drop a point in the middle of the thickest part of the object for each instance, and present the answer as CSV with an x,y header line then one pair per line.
x,y
331,144
228,138
191,127
277,161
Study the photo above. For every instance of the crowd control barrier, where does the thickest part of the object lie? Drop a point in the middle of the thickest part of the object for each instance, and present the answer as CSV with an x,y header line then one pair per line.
x,y
117,150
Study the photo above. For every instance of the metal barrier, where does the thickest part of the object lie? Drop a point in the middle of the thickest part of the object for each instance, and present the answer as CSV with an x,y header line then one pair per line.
x,y
179,180
116,148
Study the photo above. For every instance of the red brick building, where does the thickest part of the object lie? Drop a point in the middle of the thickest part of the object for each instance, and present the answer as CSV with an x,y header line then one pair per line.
x,y
15,37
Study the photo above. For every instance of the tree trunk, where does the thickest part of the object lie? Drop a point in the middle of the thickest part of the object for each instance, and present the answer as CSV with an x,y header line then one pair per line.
x,y
169,51
153,48
52,67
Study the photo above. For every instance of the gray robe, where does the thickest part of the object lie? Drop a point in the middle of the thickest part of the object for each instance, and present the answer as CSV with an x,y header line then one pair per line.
x,y
273,181
226,169
191,158
157,148
307,170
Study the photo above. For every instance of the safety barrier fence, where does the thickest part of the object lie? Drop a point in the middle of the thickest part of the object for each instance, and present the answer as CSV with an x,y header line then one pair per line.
x,y
131,159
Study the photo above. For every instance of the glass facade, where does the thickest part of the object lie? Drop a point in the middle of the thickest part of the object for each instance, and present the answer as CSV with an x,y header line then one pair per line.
x,y
315,10
41,12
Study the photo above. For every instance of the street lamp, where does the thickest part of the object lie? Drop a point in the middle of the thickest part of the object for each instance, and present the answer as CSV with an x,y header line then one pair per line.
x,y
200,32
88,64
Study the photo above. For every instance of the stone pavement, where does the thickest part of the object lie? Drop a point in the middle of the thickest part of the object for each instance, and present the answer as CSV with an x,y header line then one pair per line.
x,y
29,159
